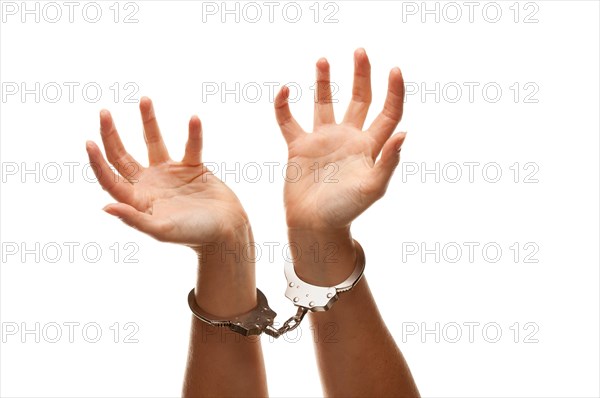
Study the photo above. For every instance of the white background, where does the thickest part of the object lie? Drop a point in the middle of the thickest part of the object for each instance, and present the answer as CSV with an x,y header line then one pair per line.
x,y
171,55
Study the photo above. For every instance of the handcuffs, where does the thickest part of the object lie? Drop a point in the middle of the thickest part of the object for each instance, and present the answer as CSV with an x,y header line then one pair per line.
x,y
303,295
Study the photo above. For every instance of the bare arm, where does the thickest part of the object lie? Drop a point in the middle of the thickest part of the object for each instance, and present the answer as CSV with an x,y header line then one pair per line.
x,y
182,202
341,176
221,362
367,361
361,358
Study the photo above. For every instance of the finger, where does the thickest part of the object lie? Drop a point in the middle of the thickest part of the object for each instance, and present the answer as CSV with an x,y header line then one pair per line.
x,y
383,126
288,125
193,148
384,168
140,220
361,90
323,100
157,150
122,161
117,187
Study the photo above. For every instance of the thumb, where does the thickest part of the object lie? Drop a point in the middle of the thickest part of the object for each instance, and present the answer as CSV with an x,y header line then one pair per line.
x,y
288,125
385,166
139,220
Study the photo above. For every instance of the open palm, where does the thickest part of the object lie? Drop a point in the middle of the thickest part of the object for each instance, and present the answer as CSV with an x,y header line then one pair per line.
x,y
333,175
180,202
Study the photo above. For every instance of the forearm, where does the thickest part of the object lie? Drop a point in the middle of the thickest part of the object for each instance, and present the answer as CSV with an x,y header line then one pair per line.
x,y
361,357
222,362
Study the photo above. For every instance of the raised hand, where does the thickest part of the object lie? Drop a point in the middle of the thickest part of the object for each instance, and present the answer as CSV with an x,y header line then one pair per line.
x,y
340,178
336,175
174,201
183,202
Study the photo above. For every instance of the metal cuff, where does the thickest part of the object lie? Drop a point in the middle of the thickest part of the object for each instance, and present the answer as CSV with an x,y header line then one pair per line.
x,y
320,298
253,322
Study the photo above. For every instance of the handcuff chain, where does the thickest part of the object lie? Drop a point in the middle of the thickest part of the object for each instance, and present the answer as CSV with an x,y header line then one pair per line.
x,y
294,320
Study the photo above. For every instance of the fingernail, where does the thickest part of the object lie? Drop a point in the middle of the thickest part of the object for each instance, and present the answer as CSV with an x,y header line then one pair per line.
x,y
401,142
107,209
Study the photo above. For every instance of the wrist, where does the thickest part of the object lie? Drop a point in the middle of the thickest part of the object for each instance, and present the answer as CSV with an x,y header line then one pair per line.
x,y
323,257
226,284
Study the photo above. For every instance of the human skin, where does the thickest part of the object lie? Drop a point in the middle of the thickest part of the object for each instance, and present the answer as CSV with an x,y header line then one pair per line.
x,y
364,360
183,202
